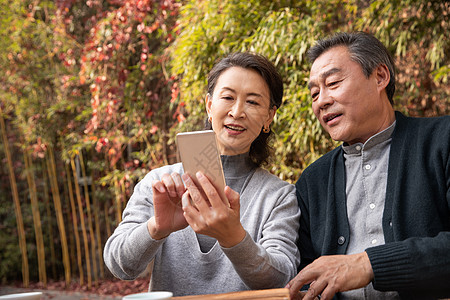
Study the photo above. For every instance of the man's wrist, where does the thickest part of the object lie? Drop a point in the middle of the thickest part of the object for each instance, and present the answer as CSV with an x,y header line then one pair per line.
x,y
367,265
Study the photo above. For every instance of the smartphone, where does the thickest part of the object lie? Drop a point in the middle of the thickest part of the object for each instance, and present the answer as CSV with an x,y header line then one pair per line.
x,y
198,152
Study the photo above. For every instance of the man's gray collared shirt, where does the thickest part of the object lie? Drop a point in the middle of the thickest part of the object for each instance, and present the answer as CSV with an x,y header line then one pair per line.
x,y
366,167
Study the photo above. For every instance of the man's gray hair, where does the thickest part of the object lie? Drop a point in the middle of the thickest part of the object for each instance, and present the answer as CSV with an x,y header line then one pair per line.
x,y
364,49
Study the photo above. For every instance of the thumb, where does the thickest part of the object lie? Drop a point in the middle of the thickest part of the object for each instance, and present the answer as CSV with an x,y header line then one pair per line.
x,y
233,198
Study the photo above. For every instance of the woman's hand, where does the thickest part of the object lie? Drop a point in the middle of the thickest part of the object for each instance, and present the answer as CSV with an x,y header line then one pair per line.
x,y
168,217
213,216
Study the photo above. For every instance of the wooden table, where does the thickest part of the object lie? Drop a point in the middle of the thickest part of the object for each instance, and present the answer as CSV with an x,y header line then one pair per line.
x,y
275,294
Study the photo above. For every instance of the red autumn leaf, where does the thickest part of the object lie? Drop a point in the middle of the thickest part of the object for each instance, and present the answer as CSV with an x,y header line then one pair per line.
x,y
181,118
154,129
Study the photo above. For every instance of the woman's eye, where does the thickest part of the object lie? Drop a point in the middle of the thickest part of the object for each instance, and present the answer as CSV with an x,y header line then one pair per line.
x,y
227,98
252,102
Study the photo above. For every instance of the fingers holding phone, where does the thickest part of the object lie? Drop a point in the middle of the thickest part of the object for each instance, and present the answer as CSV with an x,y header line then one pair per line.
x,y
211,215
197,196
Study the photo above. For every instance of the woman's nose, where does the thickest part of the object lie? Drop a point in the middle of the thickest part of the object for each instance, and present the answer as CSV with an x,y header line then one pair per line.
x,y
237,111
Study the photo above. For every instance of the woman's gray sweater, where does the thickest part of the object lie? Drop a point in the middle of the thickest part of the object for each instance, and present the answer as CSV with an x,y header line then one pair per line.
x,y
267,257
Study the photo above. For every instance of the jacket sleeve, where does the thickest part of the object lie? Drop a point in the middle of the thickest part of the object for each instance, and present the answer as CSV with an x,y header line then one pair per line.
x,y
130,248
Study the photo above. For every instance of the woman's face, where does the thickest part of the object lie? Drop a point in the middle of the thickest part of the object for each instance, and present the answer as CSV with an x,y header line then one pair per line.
x,y
239,108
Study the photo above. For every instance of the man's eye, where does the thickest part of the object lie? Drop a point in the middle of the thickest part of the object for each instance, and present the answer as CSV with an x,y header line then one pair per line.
x,y
333,83
314,95
227,98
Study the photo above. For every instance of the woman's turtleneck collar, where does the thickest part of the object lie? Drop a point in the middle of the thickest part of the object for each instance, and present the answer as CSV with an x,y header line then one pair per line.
x,y
237,165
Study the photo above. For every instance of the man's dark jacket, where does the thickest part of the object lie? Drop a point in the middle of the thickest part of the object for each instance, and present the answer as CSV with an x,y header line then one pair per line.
x,y
415,261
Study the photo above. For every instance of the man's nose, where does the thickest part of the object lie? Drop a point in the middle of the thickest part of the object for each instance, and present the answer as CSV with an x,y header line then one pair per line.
x,y
324,99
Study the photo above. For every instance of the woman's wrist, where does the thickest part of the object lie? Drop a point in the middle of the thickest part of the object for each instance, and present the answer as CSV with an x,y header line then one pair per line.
x,y
152,230
233,240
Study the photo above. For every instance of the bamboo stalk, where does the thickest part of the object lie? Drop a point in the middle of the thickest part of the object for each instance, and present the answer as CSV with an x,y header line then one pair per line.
x,y
72,246
118,201
51,168
107,220
70,230
68,216
49,224
36,218
75,225
17,210
89,213
83,226
117,196
97,229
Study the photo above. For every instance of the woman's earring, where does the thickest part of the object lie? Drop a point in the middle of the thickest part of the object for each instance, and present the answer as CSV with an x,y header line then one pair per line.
x,y
266,129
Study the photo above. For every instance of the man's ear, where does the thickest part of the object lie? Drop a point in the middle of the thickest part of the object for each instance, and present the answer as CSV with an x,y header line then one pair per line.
x,y
382,76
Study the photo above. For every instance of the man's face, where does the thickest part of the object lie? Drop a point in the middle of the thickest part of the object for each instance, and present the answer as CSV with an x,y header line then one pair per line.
x,y
348,105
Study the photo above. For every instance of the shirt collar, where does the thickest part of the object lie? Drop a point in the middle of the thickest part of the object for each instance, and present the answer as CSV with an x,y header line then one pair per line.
x,y
371,142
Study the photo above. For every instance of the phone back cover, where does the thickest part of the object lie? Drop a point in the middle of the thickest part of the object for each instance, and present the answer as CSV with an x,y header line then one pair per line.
x,y
198,152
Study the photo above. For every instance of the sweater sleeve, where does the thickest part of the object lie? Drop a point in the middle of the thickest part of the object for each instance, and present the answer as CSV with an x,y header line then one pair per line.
x,y
419,263
130,248
272,261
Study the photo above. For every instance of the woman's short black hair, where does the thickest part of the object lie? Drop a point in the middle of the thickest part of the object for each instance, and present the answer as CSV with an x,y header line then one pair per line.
x,y
260,149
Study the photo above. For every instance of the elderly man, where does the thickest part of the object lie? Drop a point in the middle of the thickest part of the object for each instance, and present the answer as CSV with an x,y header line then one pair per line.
x,y
375,220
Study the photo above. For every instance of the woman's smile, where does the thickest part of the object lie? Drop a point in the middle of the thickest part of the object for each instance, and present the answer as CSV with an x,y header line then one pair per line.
x,y
234,129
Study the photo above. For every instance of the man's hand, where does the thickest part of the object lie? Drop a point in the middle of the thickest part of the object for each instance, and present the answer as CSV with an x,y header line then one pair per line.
x,y
328,275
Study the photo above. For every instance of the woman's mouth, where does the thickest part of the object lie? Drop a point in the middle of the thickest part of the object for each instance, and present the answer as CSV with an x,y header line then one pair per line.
x,y
234,127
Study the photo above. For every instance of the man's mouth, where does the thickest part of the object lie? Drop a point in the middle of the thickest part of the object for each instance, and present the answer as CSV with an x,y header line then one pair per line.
x,y
329,117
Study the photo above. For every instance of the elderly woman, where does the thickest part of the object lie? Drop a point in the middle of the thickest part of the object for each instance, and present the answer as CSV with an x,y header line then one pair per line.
x,y
212,246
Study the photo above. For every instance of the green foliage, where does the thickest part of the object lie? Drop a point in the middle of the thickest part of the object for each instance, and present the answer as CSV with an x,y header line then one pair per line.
x,y
283,32
35,71
417,33
88,77
115,80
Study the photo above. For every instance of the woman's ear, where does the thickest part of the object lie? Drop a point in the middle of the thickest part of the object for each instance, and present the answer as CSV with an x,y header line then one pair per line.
x,y
208,103
272,113
382,76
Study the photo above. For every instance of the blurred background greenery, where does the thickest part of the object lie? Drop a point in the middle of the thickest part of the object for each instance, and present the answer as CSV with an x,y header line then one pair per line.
x,y
93,92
